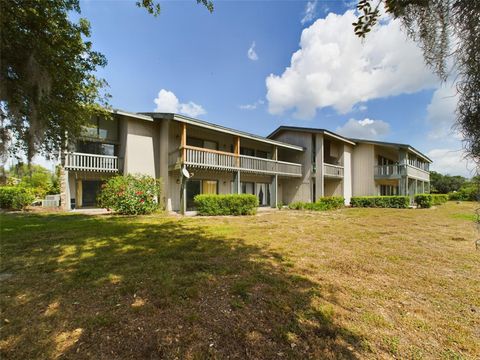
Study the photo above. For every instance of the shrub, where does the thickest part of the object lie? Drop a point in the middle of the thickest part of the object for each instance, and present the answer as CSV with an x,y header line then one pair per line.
x,y
15,197
468,193
232,204
131,194
325,203
439,199
399,202
424,200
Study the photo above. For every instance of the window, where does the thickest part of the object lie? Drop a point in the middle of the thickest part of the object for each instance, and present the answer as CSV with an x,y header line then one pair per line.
x,y
262,154
247,151
209,186
99,148
388,190
101,128
206,144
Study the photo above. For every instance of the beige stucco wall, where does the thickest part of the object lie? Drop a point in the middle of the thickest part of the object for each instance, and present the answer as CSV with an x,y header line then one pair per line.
x,y
363,162
142,149
297,189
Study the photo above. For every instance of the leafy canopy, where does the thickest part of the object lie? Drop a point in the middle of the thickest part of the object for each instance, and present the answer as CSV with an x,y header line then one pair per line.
x,y
48,83
448,32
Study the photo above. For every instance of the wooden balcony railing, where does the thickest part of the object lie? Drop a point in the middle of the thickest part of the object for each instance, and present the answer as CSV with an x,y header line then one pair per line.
x,y
91,162
213,159
330,170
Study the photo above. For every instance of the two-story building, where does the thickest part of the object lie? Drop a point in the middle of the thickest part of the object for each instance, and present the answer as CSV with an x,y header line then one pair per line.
x,y
196,157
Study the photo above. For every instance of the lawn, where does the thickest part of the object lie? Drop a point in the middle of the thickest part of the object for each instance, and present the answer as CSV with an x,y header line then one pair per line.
x,y
352,283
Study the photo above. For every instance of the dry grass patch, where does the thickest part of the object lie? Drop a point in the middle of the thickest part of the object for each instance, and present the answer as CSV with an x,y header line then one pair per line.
x,y
353,283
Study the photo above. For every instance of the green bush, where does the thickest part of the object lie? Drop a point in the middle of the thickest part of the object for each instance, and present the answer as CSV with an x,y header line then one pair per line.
x,y
325,203
424,201
131,194
399,202
15,197
467,193
232,204
439,199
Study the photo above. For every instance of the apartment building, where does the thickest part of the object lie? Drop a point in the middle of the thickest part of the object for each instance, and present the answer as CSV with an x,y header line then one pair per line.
x,y
196,157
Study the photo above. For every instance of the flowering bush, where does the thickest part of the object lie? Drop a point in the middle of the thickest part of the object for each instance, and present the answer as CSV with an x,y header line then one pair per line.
x,y
131,194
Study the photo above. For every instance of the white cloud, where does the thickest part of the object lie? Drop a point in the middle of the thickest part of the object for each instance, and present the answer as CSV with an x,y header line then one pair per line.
x,y
309,12
335,68
441,114
252,55
252,106
168,102
452,162
364,129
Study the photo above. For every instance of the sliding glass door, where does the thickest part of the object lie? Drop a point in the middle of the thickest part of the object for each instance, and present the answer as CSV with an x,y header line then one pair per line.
x,y
262,190
195,187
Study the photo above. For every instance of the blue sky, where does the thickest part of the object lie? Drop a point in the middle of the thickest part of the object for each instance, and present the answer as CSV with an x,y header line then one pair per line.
x,y
235,67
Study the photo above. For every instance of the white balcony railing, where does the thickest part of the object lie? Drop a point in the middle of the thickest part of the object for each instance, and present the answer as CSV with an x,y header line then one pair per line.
x,y
330,170
212,159
394,170
91,162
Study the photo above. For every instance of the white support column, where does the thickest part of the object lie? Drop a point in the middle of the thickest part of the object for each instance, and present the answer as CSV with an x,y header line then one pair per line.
x,y
237,189
319,181
274,196
65,190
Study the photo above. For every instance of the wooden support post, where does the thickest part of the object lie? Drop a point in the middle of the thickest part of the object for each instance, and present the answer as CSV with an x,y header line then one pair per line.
x,y
183,142
236,150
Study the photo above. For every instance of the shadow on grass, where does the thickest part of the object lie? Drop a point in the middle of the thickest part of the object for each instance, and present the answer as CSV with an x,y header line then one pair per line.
x,y
155,287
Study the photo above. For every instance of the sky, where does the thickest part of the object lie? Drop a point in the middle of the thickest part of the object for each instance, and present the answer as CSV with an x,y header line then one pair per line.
x,y
256,65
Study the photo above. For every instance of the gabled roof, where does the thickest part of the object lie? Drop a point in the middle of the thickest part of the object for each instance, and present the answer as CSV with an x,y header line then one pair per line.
x,y
226,130
396,145
310,130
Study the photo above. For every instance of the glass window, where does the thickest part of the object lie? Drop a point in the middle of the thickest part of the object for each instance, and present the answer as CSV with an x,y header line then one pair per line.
x,y
247,151
209,186
108,129
262,154
194,142
247,188
212,145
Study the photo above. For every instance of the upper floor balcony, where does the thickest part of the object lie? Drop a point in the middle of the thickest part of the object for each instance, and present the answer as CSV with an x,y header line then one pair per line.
x,y
220,160
396,171
333,171
91,162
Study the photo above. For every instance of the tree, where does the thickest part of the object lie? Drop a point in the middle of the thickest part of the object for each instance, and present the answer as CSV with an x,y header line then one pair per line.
x,y
443,184
48,86
448,32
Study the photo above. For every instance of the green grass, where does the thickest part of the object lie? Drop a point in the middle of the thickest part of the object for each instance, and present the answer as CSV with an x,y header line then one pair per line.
x,y
352,283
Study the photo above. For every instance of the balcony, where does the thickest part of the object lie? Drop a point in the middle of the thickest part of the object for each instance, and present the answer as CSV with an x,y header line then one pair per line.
x,y
396,171
91,162
220,160
332,171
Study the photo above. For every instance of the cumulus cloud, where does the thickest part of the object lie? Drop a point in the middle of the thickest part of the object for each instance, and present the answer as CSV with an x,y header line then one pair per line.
x,y
335,68
252,106
441,114
252,55
309,12
364,129
168,102
452,162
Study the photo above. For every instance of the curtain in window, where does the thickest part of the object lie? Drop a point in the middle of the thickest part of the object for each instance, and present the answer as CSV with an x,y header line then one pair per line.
x,y
209,187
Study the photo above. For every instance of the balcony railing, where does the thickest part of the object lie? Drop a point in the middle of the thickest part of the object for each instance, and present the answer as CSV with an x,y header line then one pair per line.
x,y
213,159
391,171
91,162
398,170
330,170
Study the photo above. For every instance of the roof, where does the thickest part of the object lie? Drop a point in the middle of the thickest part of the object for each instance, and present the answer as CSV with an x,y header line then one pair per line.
x,y
348,140
310,130
207,125
135,115
398,145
